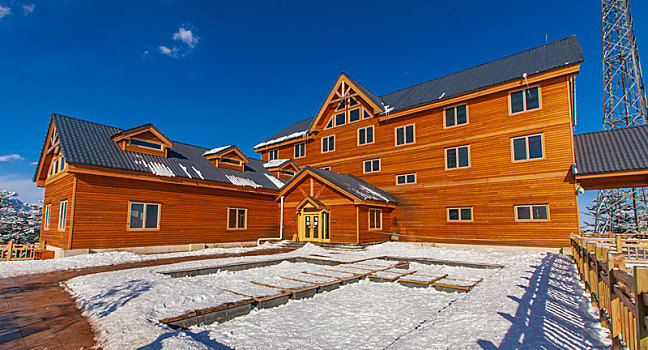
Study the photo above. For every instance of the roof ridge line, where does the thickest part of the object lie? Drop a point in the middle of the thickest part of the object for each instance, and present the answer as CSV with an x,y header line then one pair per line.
x,y
615,129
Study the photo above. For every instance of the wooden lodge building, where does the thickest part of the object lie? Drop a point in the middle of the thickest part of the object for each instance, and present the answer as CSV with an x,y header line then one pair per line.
x,y
483,156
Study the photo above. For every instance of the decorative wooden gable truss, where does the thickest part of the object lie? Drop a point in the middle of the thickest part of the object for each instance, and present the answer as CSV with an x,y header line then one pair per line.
x,y
52,160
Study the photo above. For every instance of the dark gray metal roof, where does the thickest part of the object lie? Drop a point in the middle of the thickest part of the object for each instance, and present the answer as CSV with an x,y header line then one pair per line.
x,y
351,184
616,150
377,100
298,127
557,54
88,143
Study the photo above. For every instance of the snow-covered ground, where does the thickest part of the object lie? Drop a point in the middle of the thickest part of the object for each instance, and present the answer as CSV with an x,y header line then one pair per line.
x,y
28,267
535,301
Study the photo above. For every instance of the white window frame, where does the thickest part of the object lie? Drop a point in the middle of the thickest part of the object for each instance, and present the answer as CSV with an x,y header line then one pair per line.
x,y
335,115
365,112
472,214
530,206
526,145
46,216
445,151
237,212
303,146
159,148
373,136
325,140
445,126
380,219
327,168
405,177
62,215
524,103
359,109
404,127
364,163
273,154
145,215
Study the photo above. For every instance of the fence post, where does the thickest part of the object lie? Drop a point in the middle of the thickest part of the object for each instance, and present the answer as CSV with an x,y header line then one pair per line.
x,y
601,254
9,250
641,282
615,260
591,279
619,243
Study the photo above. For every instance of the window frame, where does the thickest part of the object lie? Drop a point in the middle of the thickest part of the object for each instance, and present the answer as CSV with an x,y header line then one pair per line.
x,y
359,109
404,127
144,142
323,141
445,157
526,144
46,216
303,146
335,118
237,212
231,161
373,136
327,168
406,183
143,228
380,219
445,126
530,206
274,151
460,220
62,215
524,103
366,114
364,162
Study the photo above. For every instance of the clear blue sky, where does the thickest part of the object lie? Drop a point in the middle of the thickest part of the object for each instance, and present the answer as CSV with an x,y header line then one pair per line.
x,y
239,71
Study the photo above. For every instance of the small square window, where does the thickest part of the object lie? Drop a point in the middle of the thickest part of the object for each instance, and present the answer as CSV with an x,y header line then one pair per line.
x,y
532,212
457,115
340,119
527,147
525,99
372,166
405,135
405,179
144,216
273,154
300,150
460,214
236,219
328,144
457,157
365,135
354,115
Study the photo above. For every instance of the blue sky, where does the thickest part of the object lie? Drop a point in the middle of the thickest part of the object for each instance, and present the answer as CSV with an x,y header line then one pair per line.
x,y
218,73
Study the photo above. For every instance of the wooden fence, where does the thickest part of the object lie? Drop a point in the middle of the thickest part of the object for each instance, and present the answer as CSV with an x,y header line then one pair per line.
x,y
13,251
621,296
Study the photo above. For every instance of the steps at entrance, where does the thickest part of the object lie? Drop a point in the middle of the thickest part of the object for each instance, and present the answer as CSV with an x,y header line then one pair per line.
x,y
328,246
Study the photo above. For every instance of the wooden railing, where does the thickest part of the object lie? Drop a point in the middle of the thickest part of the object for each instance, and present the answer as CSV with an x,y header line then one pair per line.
x,y
621,297
13,251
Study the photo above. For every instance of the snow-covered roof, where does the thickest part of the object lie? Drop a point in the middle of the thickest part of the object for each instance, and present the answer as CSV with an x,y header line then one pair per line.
x,y
276,163
282,139
216,150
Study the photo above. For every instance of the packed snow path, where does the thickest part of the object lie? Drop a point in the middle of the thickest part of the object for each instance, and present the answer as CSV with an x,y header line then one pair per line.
x,y
535,301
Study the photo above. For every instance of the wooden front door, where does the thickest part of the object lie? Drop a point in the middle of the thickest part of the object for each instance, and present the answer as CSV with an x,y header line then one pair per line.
x,y
313,226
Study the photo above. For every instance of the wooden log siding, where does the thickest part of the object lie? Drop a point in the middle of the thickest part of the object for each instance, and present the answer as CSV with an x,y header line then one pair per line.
x,y
492,184
55,192
189,214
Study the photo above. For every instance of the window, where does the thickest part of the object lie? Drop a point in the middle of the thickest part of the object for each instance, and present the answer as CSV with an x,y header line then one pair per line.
x,y
340,119
46,216
375,219
353,102
328,144
144,216
273,154
300,150
62,216
56,166
230,161
405,135
330,124
327,168
146,144
406,179
236,218
525,100
457,157
457,115
532,212
460,214
354,115
365,114
365,135
527,147
341,106
372,166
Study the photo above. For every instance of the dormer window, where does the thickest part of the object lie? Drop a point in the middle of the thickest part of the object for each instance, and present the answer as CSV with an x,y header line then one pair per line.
x,y
230,161
228,157
142,143
143,139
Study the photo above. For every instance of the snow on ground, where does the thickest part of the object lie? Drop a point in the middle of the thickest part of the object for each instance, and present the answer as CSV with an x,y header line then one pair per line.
x,y
28,267
535,301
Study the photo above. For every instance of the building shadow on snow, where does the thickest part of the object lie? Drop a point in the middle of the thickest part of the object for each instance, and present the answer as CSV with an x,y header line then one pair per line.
x,y
552,313
202,337
116,297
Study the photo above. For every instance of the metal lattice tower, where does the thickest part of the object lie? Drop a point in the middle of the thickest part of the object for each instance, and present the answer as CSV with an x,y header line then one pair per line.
x,y
624,104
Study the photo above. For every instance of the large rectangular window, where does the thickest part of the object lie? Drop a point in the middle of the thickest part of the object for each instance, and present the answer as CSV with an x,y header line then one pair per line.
x,y
300,150
405,179
457,157
365,135
532,212
62,215
371,166
525,99
457,115
527,147
460,214
144,216
405,135
328,144
375,219
236,218
273,154
46,217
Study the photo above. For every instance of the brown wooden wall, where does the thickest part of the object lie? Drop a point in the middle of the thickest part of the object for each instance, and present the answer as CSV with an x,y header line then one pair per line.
x,y
492,185
189,214
55,192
